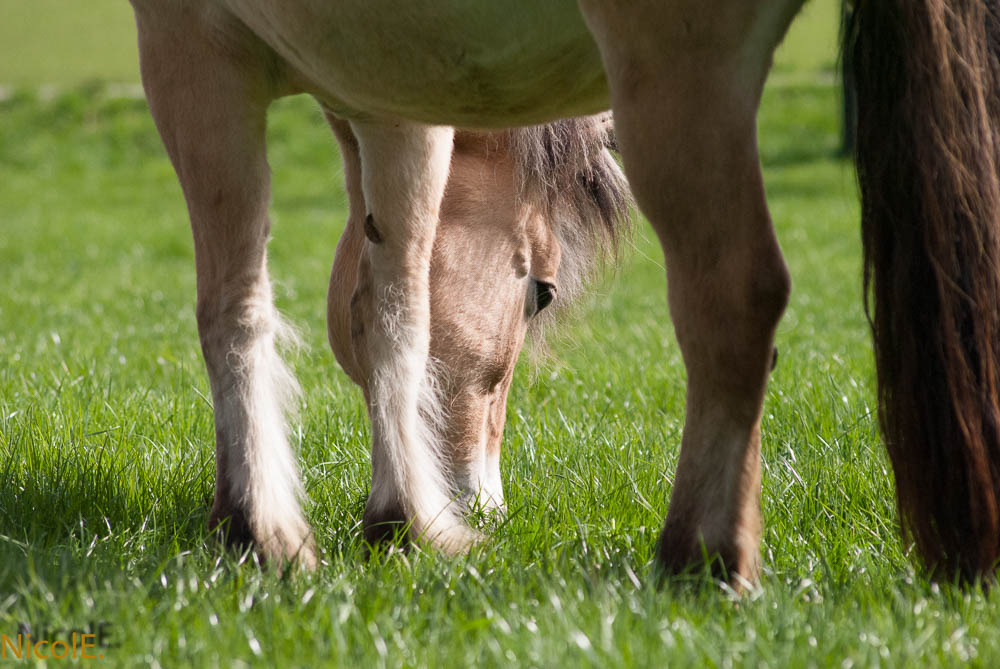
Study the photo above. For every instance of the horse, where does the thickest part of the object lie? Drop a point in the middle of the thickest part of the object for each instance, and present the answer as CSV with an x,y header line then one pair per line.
x,y
683,79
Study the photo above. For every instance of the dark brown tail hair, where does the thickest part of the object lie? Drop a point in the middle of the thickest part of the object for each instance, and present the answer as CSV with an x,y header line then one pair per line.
x,y
928,151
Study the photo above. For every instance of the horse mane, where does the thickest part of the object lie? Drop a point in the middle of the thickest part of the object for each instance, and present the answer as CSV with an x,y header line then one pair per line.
x,y
567,170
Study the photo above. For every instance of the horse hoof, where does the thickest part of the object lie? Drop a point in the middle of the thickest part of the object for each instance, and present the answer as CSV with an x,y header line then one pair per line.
x,y
291,545
386,526
679,553
279,544
391,526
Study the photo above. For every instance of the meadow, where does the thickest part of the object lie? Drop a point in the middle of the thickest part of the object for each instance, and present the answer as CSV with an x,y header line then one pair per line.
x,y
106,436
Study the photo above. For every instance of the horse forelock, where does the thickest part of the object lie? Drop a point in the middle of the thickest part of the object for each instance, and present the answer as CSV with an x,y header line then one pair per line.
x,y
566,170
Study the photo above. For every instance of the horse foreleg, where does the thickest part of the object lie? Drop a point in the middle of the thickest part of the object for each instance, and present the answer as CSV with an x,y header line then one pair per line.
x,y
685,90
404,171
209,105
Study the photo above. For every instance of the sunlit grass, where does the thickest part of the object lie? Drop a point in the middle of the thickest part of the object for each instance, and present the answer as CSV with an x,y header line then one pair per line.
x,y
106,439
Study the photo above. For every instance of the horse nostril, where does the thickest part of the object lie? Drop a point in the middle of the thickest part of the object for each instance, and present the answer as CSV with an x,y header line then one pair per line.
x,y
544,294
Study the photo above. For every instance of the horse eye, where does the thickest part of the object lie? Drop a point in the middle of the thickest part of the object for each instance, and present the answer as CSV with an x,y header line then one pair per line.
x,y
544,294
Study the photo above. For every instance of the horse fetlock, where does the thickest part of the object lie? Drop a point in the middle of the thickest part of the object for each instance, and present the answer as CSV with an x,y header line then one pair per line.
x,y
274,540
417,514
714,516
732,555
231,525
392,525
385,525
291,541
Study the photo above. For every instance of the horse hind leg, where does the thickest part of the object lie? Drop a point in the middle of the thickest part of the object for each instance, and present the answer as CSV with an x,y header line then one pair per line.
x,y
210,112
685,90
728,286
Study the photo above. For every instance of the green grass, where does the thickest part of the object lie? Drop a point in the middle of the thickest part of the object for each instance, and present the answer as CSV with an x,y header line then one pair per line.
x,y
66,41
106,438
811,45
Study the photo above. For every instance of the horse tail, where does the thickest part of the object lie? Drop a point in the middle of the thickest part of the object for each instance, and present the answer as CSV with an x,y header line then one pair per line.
x,y
928,152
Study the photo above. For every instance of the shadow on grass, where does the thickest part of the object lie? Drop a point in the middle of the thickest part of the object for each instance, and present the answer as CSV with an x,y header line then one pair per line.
x,y
78,492
70,509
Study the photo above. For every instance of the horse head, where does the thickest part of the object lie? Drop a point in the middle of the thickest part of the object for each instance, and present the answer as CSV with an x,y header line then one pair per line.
x,y
526,217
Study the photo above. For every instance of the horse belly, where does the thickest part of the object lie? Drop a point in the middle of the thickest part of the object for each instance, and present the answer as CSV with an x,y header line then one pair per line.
x,y
493,63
